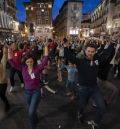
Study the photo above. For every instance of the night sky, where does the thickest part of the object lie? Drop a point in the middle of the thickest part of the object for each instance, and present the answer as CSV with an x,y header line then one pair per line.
x,y
88,6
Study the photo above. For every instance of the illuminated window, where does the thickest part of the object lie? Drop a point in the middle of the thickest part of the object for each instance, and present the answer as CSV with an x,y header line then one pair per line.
x,y
27,8
49,6
32,8
42,10
74,32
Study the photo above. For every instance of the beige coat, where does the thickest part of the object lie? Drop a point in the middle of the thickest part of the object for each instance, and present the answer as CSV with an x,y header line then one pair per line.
x,y
3,72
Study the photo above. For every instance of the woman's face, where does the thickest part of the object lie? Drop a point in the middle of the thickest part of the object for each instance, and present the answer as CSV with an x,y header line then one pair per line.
x,y
30,62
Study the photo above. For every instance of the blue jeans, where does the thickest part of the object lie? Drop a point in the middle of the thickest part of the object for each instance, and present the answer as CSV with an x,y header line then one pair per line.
x,y
33,98
85,93
70,86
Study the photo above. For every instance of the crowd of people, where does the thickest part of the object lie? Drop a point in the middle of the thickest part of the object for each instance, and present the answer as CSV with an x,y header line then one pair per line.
x,y
88,63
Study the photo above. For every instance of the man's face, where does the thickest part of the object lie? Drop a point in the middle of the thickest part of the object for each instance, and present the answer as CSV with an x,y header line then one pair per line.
x,y
90,51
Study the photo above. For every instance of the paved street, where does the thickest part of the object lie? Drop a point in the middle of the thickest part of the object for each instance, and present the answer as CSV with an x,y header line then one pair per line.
x,y
55,111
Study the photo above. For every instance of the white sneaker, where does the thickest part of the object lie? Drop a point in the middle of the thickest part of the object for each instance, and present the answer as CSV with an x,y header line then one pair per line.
x,y
12,89
22,85
92,124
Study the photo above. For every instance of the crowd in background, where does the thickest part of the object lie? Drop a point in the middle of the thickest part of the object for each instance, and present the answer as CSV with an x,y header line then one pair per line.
x,y
85,60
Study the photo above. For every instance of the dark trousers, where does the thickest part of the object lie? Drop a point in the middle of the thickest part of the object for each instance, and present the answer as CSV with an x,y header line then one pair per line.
x,y
33,99
71,86
3,88
85,93
12,74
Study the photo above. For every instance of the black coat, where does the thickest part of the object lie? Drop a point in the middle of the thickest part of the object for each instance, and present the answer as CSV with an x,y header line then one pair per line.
x,y
105,66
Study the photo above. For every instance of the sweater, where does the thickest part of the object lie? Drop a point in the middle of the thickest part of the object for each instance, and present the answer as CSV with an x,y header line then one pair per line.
x,y
87,69
32,81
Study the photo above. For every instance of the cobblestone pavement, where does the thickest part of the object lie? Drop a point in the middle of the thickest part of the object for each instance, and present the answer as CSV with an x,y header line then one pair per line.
x,y
55,111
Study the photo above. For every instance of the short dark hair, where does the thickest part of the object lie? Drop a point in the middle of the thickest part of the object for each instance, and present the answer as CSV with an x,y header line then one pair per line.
x,y
28,57
92,45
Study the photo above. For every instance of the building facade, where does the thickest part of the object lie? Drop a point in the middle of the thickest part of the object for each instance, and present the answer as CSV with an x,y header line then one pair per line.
x,y
39,18
85,25
68,22
105,17
116,17
8,21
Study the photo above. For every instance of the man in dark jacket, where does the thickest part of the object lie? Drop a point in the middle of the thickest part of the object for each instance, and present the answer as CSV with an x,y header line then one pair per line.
x,y
104,69
87,76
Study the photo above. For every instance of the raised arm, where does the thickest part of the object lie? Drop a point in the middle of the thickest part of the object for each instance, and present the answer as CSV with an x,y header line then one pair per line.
x,y
44,60
68,55
107,54
12,63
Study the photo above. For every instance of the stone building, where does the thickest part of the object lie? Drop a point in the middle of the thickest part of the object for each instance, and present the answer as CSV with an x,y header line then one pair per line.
x,y
68,21
39,18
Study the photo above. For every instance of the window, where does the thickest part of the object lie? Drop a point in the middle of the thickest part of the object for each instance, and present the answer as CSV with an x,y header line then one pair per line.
x,y
47,21
47,13
73,32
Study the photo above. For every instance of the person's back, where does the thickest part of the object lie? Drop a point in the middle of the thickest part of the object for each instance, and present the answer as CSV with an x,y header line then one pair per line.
x,y
104,67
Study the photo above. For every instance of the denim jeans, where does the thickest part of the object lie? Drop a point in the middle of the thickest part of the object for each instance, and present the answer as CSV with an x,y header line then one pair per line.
x,y
33,99
70,86
85,93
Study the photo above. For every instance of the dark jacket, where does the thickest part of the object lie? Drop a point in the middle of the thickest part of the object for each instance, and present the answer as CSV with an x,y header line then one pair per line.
x,y
105,66
87,73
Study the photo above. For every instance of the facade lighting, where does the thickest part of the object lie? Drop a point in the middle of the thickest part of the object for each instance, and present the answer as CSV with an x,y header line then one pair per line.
x,y
73,32
92,31
27,8
49,6
42,10
32,8
109,26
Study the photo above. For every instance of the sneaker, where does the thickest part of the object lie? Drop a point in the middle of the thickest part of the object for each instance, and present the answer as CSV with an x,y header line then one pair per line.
x,y
22,85
94,105
60,80
12,89
68,93
72,98
92,124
